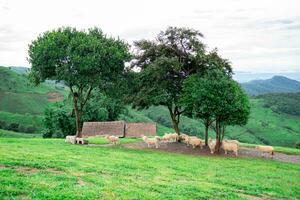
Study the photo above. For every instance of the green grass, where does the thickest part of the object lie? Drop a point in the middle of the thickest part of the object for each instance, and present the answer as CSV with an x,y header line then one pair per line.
x,y
285,150
102,140
52,169
11,134
23,103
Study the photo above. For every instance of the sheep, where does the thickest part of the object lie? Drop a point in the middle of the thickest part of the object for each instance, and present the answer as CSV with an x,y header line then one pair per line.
x,y
167,137
234,141
230,145
194,141
212,145
184,138
112,139
70,139
265,149
189,138
81,141
152,142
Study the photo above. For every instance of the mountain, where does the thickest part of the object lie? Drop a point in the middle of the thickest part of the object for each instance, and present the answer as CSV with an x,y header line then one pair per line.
x,y
243,77
277,84
20,70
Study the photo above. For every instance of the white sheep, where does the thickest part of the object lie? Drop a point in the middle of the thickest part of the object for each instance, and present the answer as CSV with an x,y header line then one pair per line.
x,y
184,138
81,141
71,139
152,142
212,145
168,137
194,141
112,139
230,145
265,149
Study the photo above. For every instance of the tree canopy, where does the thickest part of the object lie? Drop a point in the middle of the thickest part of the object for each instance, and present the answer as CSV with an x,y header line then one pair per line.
x,y
83,60
165,63
215,96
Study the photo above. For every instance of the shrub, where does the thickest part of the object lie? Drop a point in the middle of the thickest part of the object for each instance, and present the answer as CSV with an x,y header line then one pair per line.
x,y
297,145
46,133
13,127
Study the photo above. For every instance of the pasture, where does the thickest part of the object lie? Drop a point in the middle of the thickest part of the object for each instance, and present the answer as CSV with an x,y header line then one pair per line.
x,y
51,169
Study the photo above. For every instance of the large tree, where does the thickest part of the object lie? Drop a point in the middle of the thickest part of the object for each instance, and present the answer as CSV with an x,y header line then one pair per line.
x,y
83,60
163,65
218,98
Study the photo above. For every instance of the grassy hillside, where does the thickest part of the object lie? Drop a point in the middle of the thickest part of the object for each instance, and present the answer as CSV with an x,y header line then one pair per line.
x,y
277,84
52,169
22,103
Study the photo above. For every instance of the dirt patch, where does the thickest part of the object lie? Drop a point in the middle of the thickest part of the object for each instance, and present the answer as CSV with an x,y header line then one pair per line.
x,y
30,171
54,97
2,167
54,171
243,152
80,182
26,170
251,197
22,196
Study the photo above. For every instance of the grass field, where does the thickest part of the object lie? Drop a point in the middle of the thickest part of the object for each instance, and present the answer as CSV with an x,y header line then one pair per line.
x,y
52,169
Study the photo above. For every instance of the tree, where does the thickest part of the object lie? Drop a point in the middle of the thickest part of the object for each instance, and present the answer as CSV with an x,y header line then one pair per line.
x,y
163,65
213,63
83,60
59,118
215,96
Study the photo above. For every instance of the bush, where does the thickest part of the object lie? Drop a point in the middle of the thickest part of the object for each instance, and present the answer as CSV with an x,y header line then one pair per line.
x,y
13,127
46,133
297,145
3,125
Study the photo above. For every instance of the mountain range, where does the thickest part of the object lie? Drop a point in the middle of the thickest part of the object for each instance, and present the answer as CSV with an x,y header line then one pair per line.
x,y
276,84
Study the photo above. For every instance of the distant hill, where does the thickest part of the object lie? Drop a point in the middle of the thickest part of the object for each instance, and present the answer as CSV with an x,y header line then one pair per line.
x,y
243,77
277,84
20,70
22,104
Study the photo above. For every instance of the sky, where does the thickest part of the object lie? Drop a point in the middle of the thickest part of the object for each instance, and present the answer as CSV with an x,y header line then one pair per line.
x,y
255,35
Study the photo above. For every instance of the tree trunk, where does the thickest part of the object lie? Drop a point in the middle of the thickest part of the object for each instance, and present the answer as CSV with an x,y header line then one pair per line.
x,y
218,137
78,123
176,126
206,134
175,121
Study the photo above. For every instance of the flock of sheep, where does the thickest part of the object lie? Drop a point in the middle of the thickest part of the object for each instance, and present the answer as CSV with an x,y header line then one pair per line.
x,y
227,145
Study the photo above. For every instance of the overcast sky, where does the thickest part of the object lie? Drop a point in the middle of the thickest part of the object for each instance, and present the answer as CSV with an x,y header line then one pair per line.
x,y
255,35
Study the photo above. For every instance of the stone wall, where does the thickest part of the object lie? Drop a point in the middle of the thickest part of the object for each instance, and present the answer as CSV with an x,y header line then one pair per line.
x,y
118,128
103,128
138,129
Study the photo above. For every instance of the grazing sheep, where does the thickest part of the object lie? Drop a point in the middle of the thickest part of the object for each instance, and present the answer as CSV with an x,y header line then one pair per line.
x,y
167,137
235,141
152,142
230,145
81,141
71,139
184,138
265,149
194,141
212,145
112,139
